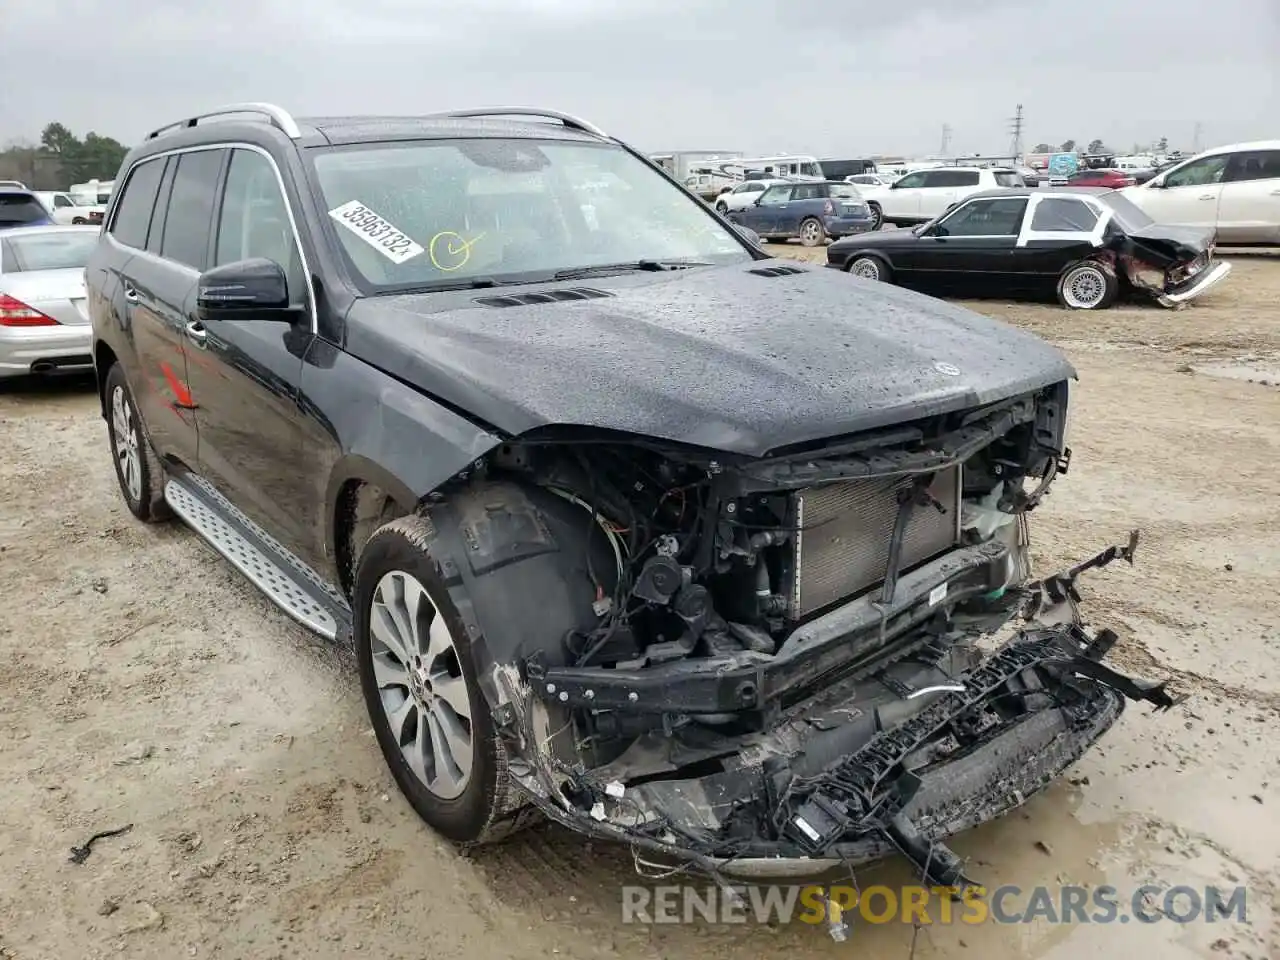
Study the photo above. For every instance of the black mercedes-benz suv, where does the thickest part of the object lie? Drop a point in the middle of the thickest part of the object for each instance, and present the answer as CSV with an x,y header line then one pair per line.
x,y
627,522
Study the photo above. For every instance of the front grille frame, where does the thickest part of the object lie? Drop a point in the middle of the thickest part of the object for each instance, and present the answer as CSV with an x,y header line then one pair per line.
x,y
818,576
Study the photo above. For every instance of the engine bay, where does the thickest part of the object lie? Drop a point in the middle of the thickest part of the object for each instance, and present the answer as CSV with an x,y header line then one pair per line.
x,y
777,657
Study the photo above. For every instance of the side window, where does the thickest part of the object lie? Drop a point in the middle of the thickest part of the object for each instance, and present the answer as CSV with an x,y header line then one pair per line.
x,y
133,212
254,220
1199,173
810,191
774,196
155,236
188,222
951,178
1063,215
1255,165
999,217
60,201
911,180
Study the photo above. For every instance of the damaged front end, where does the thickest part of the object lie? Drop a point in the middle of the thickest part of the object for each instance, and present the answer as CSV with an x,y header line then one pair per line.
x,y
1174,265
815,658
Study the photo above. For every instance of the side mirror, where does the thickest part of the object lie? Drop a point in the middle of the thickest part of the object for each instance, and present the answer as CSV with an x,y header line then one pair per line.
x,y
254,289
1157,182
749,235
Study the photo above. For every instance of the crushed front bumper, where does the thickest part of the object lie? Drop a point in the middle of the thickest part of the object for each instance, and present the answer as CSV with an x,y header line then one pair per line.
x,y
1195,286
812,804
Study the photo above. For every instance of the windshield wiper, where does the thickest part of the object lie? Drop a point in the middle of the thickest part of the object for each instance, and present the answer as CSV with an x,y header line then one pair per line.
x,y
647,266
458,283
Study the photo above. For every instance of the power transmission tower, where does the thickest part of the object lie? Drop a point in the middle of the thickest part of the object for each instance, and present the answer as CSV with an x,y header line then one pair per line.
x,y
1015,127
946,140
1195,137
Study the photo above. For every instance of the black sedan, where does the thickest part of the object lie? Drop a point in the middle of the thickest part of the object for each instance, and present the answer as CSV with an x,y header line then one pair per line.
x,y
1087,245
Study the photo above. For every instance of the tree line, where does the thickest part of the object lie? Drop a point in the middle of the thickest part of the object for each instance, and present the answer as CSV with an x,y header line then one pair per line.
x,y
1097,147
61,158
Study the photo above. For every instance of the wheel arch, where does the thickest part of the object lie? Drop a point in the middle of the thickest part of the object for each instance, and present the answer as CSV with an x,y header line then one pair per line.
x,y
103,359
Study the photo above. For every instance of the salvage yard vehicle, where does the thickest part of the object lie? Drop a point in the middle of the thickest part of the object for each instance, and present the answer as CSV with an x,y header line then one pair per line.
x,y
1089,246
744,194
628,523
922,195
813,212
1233,191
44,319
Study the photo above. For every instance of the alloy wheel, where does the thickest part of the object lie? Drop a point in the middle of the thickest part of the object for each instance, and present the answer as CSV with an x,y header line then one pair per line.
x,y
421,686
1084,288
124,429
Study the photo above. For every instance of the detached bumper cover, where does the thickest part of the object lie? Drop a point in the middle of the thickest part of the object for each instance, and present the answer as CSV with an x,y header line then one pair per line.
x,y
896,789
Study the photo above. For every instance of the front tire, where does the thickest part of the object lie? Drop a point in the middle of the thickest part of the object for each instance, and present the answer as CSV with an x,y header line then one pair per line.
x,y
418,676
877,216
1088,285
138,470
722,207
868,267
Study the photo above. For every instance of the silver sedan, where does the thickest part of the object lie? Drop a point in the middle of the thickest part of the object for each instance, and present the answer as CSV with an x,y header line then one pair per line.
x,y
44,321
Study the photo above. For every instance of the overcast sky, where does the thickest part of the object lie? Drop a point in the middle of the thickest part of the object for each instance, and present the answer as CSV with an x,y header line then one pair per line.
x,y
828,77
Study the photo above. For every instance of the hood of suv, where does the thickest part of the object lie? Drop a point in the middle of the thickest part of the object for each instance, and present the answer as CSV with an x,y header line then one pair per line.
x,y
720,357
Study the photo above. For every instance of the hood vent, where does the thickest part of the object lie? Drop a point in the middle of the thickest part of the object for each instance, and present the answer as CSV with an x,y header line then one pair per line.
x,y
543,296
777,271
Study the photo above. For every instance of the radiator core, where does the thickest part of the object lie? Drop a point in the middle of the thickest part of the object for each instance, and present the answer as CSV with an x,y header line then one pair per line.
x,y
841,547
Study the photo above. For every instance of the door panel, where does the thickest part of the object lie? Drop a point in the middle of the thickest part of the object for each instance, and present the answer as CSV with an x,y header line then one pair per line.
x,y
1249,207
245,372
1190,194
152,293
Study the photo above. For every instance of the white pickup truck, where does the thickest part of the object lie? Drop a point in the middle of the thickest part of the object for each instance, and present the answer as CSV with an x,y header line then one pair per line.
x,y
924,194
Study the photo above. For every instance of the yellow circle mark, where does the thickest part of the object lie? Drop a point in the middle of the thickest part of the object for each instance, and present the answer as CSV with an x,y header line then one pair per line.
x,y
454,253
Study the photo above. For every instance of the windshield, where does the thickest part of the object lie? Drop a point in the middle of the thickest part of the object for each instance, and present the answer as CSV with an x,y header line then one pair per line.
x,y
48,251
517,210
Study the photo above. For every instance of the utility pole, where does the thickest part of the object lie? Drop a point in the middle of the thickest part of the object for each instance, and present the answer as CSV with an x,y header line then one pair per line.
x,y
1195,137
944,150
1015,127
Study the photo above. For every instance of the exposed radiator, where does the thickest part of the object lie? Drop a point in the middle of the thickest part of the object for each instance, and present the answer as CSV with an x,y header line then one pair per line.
x,y
842,547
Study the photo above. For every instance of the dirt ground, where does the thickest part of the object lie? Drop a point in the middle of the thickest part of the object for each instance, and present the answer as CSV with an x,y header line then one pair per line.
x,y
143,682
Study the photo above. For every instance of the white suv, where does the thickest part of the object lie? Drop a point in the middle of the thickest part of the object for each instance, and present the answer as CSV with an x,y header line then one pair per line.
x,y
924,194
744,194
1233,189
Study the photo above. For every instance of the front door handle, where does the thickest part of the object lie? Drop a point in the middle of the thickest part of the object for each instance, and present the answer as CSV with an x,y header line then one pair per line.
x,y
130,294
1206,196
197,332
1275,193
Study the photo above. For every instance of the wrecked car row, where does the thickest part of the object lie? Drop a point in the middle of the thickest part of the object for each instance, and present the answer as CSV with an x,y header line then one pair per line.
x,y
622,529
1089,247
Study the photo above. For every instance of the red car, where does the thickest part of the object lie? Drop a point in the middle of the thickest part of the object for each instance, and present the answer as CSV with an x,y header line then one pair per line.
x,y
1111,179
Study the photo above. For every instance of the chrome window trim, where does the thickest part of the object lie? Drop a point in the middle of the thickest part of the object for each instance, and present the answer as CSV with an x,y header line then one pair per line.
x,y
284,194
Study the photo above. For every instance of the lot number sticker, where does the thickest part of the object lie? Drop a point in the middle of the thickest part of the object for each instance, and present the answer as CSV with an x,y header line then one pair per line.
x,y
380,234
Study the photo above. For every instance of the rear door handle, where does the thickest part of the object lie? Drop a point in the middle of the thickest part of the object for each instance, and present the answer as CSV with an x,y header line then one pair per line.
x,y
1206,196
1275,193
197,332
130,294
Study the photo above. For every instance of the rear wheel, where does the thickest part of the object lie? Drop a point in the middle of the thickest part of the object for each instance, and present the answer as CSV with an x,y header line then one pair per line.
x,y
877,216
868,267
420,686
1088,285
79,221
722,207
138,469
811,232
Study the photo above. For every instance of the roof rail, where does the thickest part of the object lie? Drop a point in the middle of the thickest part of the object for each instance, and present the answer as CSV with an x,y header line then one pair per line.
x,y
570,121
278,117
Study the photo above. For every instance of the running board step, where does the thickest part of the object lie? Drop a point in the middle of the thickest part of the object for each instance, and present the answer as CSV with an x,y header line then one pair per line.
x,y
289,583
